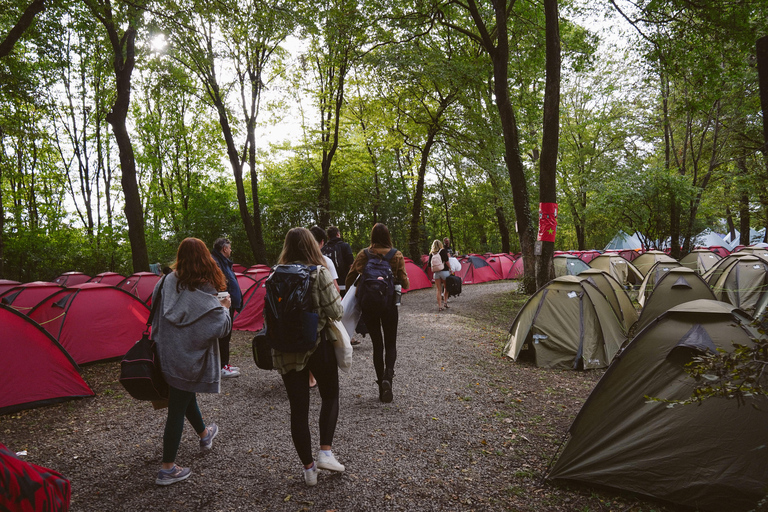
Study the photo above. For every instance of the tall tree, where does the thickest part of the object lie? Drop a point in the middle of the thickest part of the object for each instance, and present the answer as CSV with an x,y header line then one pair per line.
x,y
123,42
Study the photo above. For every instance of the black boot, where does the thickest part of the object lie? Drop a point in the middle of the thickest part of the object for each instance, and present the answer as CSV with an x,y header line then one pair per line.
x,y
385,388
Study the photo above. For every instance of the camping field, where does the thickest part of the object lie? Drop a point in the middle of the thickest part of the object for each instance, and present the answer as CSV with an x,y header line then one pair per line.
x,y
467,430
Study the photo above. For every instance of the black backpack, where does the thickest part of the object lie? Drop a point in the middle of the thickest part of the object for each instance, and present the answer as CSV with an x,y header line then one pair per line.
x,y
376,288
289,319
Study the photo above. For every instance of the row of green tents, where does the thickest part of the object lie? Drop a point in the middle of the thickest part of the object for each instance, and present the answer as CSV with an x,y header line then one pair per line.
x,y
712,456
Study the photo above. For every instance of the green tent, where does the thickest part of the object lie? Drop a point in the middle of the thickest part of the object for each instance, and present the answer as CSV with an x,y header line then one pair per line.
x,y
700,260
742,283
568,323
712,456
568,265
712,275
648,259
619,268
657,271
615,294
675,287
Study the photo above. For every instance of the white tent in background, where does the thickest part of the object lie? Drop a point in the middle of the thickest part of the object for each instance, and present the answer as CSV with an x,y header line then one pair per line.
x,y
755,237
623,241
709,238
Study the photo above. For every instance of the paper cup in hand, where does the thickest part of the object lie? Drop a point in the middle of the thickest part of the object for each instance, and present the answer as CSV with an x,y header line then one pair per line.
x,y
222,295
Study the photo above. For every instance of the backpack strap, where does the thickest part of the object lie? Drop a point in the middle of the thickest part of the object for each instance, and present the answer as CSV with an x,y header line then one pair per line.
x,y
390,254
154,304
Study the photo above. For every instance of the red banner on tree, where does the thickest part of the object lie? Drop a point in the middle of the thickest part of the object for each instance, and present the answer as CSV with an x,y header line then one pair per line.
x,y
547,222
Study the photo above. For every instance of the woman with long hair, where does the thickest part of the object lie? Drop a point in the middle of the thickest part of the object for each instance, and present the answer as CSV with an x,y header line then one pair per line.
x,y
442,275
294,367
188,322
382,324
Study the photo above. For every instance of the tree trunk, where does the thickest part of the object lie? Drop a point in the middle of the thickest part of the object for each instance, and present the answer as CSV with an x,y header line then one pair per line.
x,y
762,71
25,20
500,58
550,134
260,252
415,233
124,61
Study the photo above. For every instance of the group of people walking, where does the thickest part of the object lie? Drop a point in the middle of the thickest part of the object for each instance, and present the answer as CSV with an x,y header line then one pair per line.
x,y
193,327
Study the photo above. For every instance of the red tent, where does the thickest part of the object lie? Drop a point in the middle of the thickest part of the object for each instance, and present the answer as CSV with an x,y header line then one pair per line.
x,y
93,321
245,282
257,267
72,278
238,268
111,278
474,270
719,250
251,317
258,273
28,295
141,284
502,263
517,271
417,278
628,254
34,370
587,256
7,284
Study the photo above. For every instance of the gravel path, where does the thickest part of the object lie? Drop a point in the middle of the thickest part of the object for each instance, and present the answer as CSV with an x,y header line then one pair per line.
x,y
467,430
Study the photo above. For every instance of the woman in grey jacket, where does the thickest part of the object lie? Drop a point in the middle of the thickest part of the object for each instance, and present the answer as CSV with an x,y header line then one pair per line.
x,y
188,322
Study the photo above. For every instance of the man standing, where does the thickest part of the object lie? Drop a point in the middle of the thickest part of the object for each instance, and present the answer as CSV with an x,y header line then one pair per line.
x,y
447,246
340,253
222,251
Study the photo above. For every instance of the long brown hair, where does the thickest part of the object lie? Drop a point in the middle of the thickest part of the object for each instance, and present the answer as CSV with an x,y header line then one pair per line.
x,y
195,266
300,245
380,235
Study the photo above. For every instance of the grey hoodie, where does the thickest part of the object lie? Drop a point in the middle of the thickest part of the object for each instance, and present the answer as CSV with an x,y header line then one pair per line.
x,y
186,328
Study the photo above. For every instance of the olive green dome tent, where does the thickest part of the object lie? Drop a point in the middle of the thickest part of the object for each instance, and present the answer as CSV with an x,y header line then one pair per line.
x,y
675,287
700,260
742,283
568,265
615,294
712,456
648,259
568,323
619,268
657,271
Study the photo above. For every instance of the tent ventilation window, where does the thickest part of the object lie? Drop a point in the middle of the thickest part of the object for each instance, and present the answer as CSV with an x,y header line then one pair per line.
x,y
62,302
8,299
695,342
682,283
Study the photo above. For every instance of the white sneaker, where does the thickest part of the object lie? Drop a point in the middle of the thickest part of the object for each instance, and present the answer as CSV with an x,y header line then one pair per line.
x,y
310,475
229,372
328,462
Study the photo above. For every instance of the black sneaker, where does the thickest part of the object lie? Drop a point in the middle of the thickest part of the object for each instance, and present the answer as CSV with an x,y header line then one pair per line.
x,y
385,391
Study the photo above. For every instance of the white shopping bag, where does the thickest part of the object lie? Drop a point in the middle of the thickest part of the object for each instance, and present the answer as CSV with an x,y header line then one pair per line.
x,y
352,310
454,264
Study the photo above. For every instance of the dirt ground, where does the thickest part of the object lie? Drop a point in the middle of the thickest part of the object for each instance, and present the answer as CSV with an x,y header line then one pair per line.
x,y
467,430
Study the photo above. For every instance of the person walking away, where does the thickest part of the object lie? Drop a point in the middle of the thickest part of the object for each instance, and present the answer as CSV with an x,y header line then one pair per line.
x,y
222,254
189,321
447,245
319,234
381,321
438,257
340,254
300,247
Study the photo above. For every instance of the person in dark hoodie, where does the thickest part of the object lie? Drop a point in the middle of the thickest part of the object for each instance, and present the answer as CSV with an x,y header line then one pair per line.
x,y
188,322
222,251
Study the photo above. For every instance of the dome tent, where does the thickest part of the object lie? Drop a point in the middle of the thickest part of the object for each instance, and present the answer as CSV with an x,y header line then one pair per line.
x,y
645,261
417,278
568,265
141,285
26,345
568,323
72,278
7,284
700,260
110,278
693,455
251,316
502,263
657,271
617,297
673,288
93,321
475,270
619,268
742,283
28,295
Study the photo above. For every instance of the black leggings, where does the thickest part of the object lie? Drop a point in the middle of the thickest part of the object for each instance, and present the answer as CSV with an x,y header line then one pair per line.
x,y
386,321
181,404
322,364
224,343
